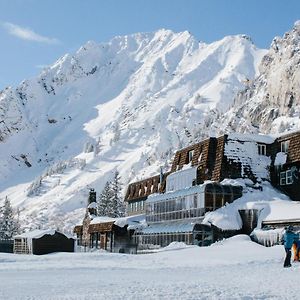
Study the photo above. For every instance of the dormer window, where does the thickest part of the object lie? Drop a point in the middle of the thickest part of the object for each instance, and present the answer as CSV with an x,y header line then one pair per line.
x,y
285,146
262,149
191,153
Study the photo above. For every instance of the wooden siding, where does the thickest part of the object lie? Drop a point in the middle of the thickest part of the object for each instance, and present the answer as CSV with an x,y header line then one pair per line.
x,y
217,172
294,147
182,156
78,229
293,160
138,191
212,164
101,227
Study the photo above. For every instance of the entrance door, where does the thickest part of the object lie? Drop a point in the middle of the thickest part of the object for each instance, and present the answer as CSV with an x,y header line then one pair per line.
x,y
102,241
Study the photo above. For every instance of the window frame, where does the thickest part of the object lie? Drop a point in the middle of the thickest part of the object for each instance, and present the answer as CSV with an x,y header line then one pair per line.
x,y
284,146
190,156
289,177
286,177
262,149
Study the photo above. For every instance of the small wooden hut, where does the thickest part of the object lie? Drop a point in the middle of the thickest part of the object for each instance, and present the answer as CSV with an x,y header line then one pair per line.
x,y
43,242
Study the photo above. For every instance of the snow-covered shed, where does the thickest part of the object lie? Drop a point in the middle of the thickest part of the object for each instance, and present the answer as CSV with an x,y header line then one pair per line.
x,y
6,245
280,214
43,242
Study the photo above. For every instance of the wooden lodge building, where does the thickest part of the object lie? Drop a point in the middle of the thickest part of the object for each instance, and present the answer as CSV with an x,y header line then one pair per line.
x,y
174,203
111,234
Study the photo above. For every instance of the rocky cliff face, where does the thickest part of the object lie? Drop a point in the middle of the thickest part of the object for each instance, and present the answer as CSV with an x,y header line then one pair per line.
x,y
271,102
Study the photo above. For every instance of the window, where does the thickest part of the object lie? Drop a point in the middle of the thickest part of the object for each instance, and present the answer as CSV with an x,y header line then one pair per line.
x,y
262,149
289,177
282,178
191,153
285,146
286,177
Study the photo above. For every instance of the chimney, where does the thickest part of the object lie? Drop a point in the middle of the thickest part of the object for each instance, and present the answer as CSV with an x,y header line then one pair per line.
x,y
92,196
92,203
161,176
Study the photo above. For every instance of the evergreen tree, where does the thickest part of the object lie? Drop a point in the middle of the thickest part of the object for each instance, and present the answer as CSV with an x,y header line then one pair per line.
x,y
104,201
110,201
117,134
117,204
8,224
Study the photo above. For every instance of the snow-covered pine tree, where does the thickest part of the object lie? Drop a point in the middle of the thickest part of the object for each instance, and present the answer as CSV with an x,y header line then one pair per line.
x,y
116,133
117,204
8,224
104,201
110,201
97,147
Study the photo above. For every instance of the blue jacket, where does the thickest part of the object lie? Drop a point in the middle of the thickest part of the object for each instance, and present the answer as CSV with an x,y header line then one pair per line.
x,y
289,238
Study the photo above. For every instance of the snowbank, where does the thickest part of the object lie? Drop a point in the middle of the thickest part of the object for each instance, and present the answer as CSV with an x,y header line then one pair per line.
x,y
214,272
174,246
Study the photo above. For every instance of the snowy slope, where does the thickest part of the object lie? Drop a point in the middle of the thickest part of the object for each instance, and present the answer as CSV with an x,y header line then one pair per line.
x,y
125,104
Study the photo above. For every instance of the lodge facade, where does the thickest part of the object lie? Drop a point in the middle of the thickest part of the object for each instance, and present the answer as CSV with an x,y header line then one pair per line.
x,y
174,203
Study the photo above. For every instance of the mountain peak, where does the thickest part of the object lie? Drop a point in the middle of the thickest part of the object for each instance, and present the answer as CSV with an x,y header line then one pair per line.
x,y
126,104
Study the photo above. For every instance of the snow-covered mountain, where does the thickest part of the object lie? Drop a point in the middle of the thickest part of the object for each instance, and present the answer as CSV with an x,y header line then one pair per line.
x,y
126,104
271,102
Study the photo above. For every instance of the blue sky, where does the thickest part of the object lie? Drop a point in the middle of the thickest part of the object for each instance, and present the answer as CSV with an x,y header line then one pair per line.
x,y
34,33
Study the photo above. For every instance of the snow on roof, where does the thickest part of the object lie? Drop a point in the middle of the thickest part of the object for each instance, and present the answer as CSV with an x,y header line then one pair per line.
x,y
271,204
35,234
92,205
246,152
180,193
130,220
177,226
121,222
280,210
284,134
259,138
102,219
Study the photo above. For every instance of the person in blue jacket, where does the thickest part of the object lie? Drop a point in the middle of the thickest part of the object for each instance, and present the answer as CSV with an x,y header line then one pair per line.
x,y
289,238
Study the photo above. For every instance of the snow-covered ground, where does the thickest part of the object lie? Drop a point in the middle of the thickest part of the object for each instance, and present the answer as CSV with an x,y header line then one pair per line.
x,y
232,269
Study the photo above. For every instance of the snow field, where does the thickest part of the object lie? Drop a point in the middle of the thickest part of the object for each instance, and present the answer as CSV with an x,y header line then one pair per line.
x,y
235,268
